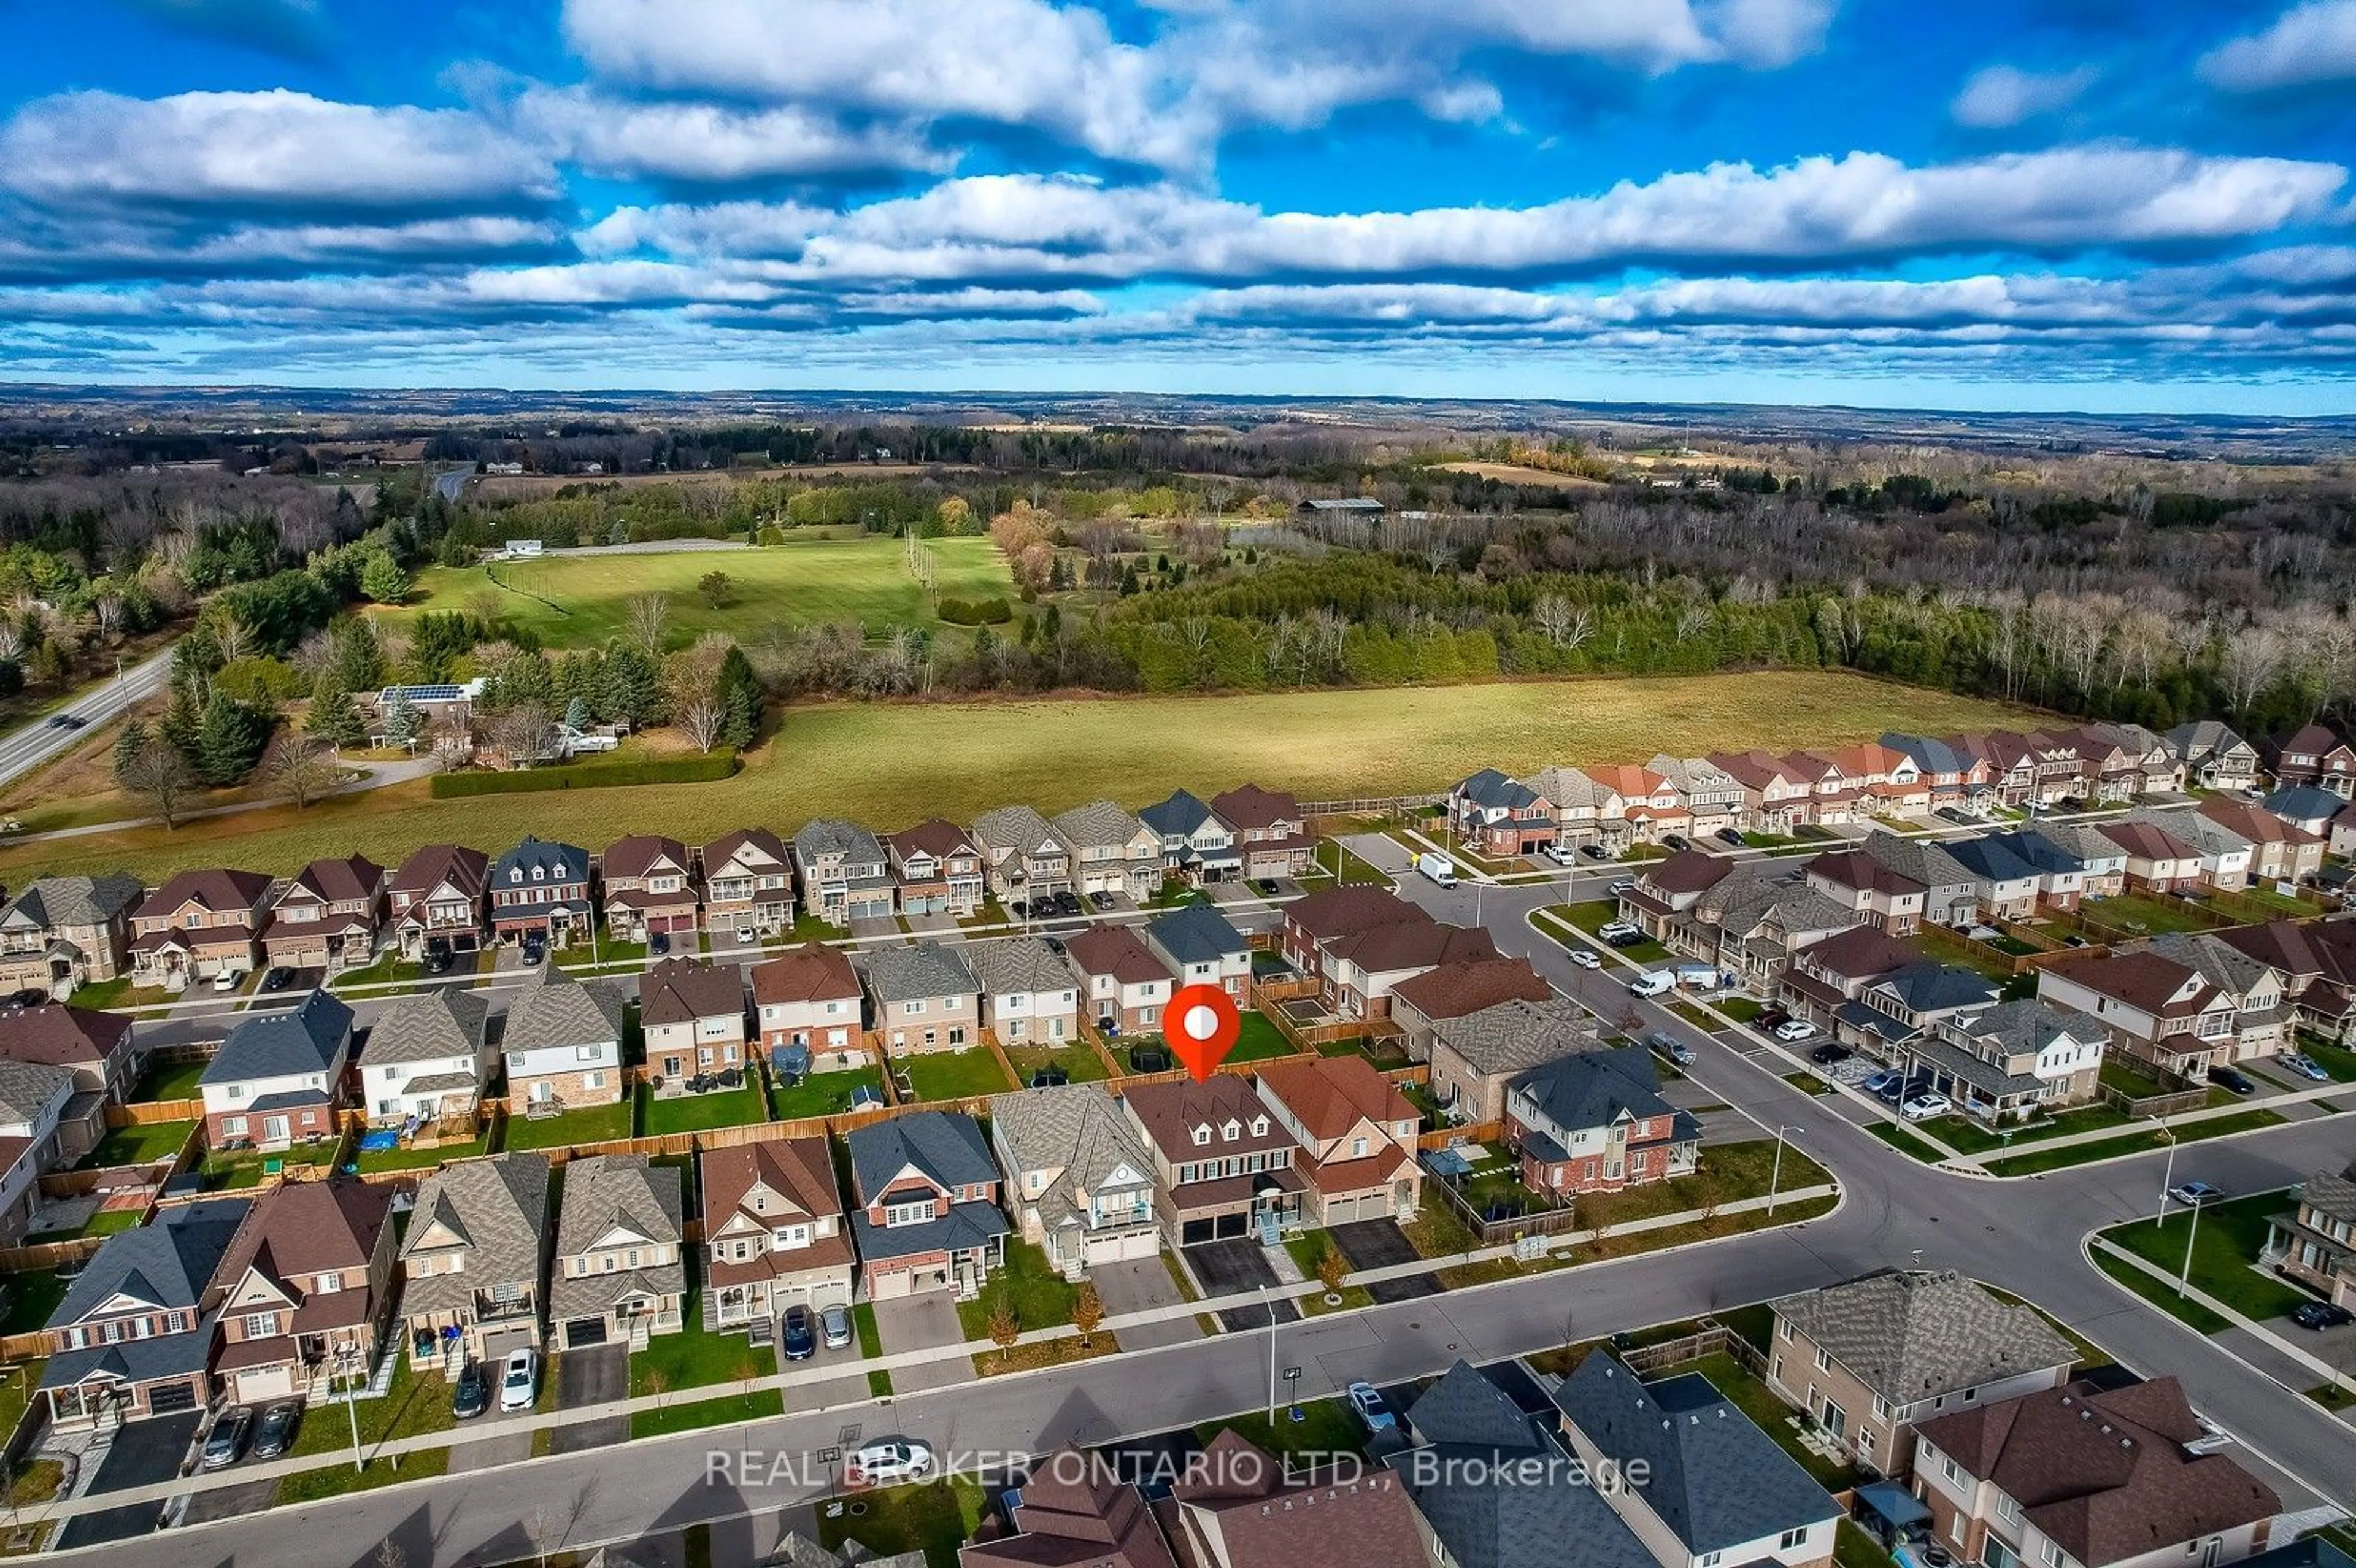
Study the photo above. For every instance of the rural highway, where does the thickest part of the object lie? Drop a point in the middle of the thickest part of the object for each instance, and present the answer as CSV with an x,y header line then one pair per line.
x,y
45,738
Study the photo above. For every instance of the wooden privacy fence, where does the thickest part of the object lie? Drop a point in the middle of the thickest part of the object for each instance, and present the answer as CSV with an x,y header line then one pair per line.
x,y
1710,1338
151,1113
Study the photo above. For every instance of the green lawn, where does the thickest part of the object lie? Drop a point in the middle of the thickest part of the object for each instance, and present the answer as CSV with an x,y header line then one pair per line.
x,y
168,1080
954,1074
1077,1058
234,1172
2130,1079
1728,1171
1969,1134
1319,744
102,1223
821,1093
27,1299
2037,1160
606,954
2338,1060
591,1123
1592,917
1259,1040
871,1345
1326,1427
1346,866
692,1357
138,1144
699,1113
2143,915
691,1415
2224,1252
1741,1009
422,1158
1042,1297
807,582
1905,1143
414,1404
339,1480
935,1519
2162,1295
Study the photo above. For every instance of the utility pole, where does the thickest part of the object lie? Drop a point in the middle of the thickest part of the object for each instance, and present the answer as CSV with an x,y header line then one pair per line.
x,y
2185,1279
345,1357
2167,1175
1270,1310
1775,1175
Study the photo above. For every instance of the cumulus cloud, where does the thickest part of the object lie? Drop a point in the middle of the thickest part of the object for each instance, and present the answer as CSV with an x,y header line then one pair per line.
x,y
2311,43
698,143
2000,96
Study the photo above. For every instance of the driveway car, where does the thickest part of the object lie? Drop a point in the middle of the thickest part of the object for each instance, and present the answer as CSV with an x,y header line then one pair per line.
x,y
892,1459
1829,1054
472,1395
1366,1404
227,1443
1624,885
835,1325
1791,1030
1612,930
2305,1066
1594,851
2322,1314
520,1385
1729,837
800,1334
277,978
2192,1194
1585,959
1772,1019
1674,841
1920,1106
1557,854
276,1429
2231,1081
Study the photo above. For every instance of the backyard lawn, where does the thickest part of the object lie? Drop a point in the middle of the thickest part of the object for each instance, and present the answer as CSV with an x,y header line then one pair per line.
x,y
234,1172
2224,1253
1042,1297
956,1075
138,1144
27,1299
590,1124
421,1157
2144,914
167,1080
699,1112
2037,1160
2129,1079
935,1519
1259,1040
821,1093
1078,1059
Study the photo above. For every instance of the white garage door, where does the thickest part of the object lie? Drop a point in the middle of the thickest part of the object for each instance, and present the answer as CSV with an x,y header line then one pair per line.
x,y
889,1285
1123,1249
264,1384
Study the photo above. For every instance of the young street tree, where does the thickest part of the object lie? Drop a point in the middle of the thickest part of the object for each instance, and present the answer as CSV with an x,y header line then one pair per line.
x,y
1088,1311
153,769
648,615
718,589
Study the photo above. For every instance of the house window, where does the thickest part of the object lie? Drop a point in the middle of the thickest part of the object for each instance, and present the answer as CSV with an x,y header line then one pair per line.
x,y
2053,1555
1824,1359
261,1325
912,1009
1784,1329
1202,1137
789,1237
912,1214
2006,1507
1358,1148
232,1126
1792,1538
592,1080
327,1284
1953,1471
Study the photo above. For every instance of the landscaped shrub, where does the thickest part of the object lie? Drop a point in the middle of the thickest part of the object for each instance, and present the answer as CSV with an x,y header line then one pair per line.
x,y
586,775
988,612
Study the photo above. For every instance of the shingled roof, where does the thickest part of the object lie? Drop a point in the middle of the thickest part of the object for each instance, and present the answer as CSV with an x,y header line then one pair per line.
x,y
552,1009
1910,1336
495,1211
428,1027
1453,990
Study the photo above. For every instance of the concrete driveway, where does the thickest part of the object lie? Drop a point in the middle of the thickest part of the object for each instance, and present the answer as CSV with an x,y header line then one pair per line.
x,y
943,922
873,925
1136,1285
1230,1268
590,1376
918,1323
1380,1243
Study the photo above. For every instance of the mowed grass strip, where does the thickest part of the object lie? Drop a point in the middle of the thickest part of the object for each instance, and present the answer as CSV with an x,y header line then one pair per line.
x,y
889,764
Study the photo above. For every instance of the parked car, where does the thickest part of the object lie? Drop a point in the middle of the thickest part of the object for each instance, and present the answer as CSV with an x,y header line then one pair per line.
x,y
519,1388
2231,1081
1773,1018
1830,1054
275,1431
1674,841
745,936
2322,1315
1729,836
226,1445
2192,1194
227,979
1624,885
1892,1089
1367,1402
277,978
1103,900
1670,1046
1557,854
834,1326
1792,1030
659,943
1949,814
1595,851
1920,1106
1612,929
30,997
472,1396
1585,958
892,1459
800,1334
437,956
2304,1065
535,948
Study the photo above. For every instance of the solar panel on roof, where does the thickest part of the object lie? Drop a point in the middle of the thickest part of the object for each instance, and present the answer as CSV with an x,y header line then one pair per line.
x,y
423,693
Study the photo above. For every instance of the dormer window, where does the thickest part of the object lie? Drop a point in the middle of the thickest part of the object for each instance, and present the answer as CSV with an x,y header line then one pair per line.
x,y
1230,1133
1202,1135
539,873
1259,1127
515,874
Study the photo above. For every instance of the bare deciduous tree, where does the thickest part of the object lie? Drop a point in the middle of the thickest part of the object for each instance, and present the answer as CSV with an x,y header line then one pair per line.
x,y
296,769
648,615
2250,659
703,720
160,776
1566,625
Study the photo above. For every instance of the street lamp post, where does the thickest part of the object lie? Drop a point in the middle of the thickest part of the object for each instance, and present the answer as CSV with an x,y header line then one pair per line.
x,y
121,691
1776,1174
1270,1310
346,1355
2167,1175
2184,1279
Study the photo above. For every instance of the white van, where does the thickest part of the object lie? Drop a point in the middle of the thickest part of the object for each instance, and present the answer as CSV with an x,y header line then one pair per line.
x,y
1439,868
1657,983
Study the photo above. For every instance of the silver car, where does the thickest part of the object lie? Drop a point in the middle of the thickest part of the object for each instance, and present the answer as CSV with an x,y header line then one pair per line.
x,y
834,1326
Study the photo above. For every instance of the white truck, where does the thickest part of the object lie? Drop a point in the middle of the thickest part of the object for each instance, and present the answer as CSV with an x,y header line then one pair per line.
x,y
1439,868
1658,982
1699,976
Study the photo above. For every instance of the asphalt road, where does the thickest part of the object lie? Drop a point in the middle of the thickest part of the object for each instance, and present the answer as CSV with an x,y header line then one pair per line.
x,y
36,742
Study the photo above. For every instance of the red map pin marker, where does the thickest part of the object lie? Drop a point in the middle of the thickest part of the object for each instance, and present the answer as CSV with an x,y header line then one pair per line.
x,y
1202,1026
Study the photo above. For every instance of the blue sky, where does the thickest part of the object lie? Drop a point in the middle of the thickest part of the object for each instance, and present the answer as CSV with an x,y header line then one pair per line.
x,y
2103,204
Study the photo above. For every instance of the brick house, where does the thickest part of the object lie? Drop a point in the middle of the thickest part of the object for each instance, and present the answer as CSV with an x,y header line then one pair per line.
x,y
1125,985
1776,796
926,998
278,1078
774,1232
1072,1510
1203,948
1595,1122
1356,1132
1359,968
1079,1181
1028,994
198,924
1826,976
1112,852
427,1059
649,889
95,1047
748,884
693,1017
927,1216
538,888
2315,1240
2316,961
1224,1166
845,874
328,917
617,1274
1499,816
1474,1056
1868,1358
2160,1011
308,1289
134,1337
1197,847
1270,833
67,929
1316,919
562,1045
938,867
806,1005
1023,855
437,897
2313,757
1454,990
1715,798
1237,1506
1887,900
473,1262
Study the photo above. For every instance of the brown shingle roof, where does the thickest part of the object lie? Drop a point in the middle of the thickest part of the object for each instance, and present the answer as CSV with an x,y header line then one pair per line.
x,y
813,972
1453,990
1117,951
1854,868
215,887
2254,822
722,849
1266,1520
1250,806
679,991
1412,945
1337,912
2141,839
933,836
640,853
1860,952
353,878
1329,1094
1687,871
308,1227
434,864
800,1170
1171,1112
2142,979
59,1036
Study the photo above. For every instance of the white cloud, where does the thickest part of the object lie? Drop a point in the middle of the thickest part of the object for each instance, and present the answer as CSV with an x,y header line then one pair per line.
x,y
713,143
2001,95
2307,44
277,149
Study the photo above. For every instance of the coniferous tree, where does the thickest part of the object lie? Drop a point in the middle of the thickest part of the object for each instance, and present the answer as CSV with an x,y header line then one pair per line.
x,y
334,718
230,741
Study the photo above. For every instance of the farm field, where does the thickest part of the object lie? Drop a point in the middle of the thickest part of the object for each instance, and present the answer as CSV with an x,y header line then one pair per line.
x,y
888,765
1517,474
805,581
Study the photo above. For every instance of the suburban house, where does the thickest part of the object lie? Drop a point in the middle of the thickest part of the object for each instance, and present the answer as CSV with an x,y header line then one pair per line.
x,y
95,1047
1070,1513
1647,805
427,1058
538,889
1356,1132
748,885
134,1337
2101,864
1359,968
1952,774
1125,985
2316,961
1666,893
1586,810
1196,846
1893,1010
2308,808
562,1045
2314,1242
2161,1012
1525,1504
845,873
1112,851
437,897
2011,1061
198,924
307,1285
1714,798
1750,924
1499,816
1720,1490
2225,854
1224,1166
806,1003
1473,1055
2279,852
1595,1122
1204,948
1029,994
61,929
1079,1181
1950,890
926,998
938,867
1776,796
1237,1506
927,1216
2004,883
774,1232
1886,900
1270,833
693,1016
38,1134
472,1260
2158,860
1870,1358
1453,990
2083,1477
1826,976
2313,758
1024,856
278,1077
1330,913
650,887
2257,992
617,1274
2214,757
327,917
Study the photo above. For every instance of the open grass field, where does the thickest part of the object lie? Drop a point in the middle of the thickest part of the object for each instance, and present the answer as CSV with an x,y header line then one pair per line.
x,y
1518,474
889,764
863,579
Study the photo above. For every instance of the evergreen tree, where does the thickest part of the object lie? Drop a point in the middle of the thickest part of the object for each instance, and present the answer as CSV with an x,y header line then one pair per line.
x,y
135,737
230,741
632,693
383,581
181,721
335,718
739,691
356,655
403,723
1128,580
576,714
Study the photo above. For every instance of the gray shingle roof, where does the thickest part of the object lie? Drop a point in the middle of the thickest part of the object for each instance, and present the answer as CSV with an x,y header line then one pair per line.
x,y
1596,1088
1077,1129
556,862
1019,964
608,1190
498,1210
1194,934
555,1010
2028,1025
1015,828
277,1045
833,835
1497,791
1937,987
27,1087
1908,1337
1516,1035
1179,817
74,900
1101,824
1465,1410
428,1027
945,1145
959,1228
926,970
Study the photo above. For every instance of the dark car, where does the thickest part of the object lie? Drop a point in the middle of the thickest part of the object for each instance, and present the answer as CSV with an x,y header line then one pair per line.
x,y
1826,1054
1674,840
472,1394
437,961
65,722
1949,814
1102,899
1594,851
659,943
1067,903
276,1430
1729,836
2322,1314
30,997
1265,887
535,948
1769,1018
227,1443
2231,1081
801,1334
277,978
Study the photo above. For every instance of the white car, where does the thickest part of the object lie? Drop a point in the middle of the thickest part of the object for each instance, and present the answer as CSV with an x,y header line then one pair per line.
x,y
227,979
1923,1106
1557,854
1613,930
1791,1030
519,1387
1585,959
892,1459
